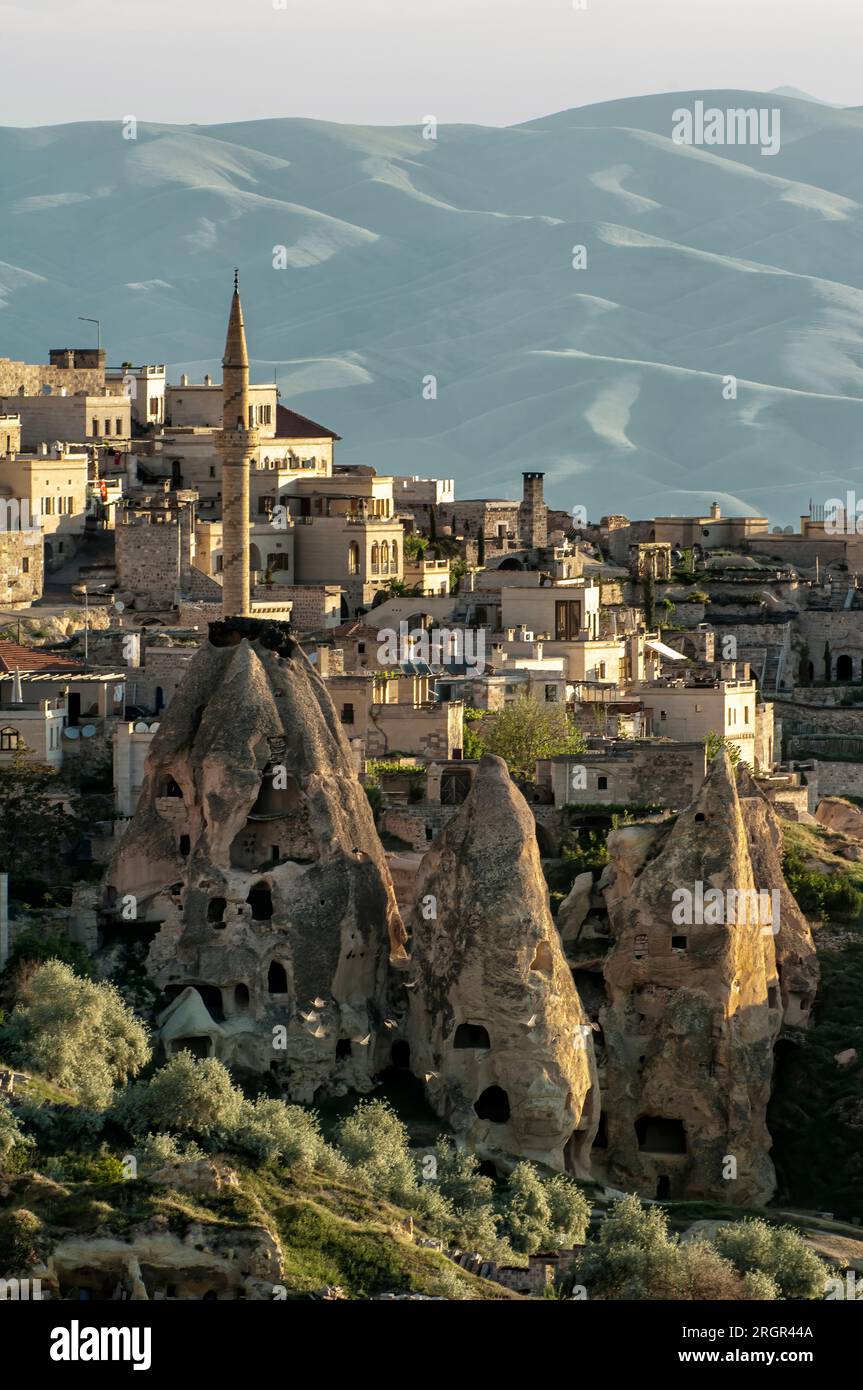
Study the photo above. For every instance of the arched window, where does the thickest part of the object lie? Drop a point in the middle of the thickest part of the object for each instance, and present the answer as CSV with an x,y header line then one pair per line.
x,y
385,558
353,558
10,740
376,558
394,558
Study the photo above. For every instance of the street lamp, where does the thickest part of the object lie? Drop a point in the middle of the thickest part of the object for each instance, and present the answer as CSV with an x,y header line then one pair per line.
x,y
98,323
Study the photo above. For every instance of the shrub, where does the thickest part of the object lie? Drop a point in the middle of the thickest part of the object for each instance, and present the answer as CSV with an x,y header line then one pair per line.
x,y
779,1252
19,1230
188,1095
76,1032
274,1132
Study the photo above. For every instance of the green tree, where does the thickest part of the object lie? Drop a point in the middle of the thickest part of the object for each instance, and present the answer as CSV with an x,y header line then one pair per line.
x,y
33,826
779,1252
374,1141
78,1033
474,747
11,1136
715,742
522,732
542,1214
188,1095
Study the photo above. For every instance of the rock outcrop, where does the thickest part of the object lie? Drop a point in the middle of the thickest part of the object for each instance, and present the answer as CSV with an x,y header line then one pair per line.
x,y
834,813
495,1024
693,1004
254,846
796,959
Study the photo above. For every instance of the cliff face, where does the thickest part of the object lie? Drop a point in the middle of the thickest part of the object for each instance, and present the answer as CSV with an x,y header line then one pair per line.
x,y
254,845
495,1024
693,1004
796,959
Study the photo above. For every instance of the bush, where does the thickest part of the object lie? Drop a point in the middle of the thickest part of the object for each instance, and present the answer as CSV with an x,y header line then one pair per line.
x,y
188,1095
19,1230
273,1132
76,1032
539,1214
779,1252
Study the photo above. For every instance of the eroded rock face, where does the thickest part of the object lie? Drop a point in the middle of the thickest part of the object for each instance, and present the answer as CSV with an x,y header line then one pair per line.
x,y
796,958
693,1005
495,1024
254,845
837,814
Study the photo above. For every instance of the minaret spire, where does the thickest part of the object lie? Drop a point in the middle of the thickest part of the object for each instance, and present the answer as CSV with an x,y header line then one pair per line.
x,y
237,442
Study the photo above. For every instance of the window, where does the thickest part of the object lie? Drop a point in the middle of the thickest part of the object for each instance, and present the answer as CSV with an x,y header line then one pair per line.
x,y
385,557
602,784
61,505
551,694
394,557
107,426
353,558
662,714
10,740
361,646
95,425
376,558
746,715
70,505
602,670
118,426
154,405
347,715
698,709
678,943
25,565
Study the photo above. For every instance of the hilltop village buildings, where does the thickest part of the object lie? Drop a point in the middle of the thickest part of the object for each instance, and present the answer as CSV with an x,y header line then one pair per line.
x,y
167,505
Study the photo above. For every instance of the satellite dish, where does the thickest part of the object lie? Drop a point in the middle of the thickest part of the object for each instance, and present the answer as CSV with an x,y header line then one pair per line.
x,y
119,605
154,727
88,731
71,733
141,727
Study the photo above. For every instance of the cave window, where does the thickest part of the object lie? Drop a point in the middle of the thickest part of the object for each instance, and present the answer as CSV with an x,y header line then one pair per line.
x,y
773,997
400,1055
471,1035
277,978
260,900
169,788
493,1105
185,844
487,1169
199,1047
663,1187
602,784
700,816
657,1134
241,997
543,961
216,912
679,943
844,668
347,715
343,1048
601,1140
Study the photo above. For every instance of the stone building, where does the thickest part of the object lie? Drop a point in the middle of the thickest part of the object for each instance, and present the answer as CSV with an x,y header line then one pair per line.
x,y
22,570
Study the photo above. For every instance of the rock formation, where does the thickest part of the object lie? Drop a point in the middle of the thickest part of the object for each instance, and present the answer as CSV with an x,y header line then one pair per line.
x,y
693,1003
495,1024
254,847
796,960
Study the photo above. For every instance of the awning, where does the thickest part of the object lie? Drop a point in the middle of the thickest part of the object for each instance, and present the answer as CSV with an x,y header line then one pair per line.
x,y
668,652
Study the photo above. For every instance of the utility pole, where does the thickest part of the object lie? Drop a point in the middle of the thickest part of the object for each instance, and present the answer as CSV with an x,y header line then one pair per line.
x,y
98,323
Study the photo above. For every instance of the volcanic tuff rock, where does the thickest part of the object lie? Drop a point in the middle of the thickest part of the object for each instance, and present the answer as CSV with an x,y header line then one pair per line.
x,y
693,1008
495,1022
796,959
254,846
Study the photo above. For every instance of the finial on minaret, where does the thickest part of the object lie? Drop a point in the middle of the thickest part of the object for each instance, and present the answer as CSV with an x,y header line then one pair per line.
x,y
236,280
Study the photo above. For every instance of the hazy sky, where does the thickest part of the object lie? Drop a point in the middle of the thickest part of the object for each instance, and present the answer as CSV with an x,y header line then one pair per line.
x,y
395,61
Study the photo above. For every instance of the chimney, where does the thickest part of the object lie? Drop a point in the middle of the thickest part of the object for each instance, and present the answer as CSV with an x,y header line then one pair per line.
x,y
184,380
17,697
715,512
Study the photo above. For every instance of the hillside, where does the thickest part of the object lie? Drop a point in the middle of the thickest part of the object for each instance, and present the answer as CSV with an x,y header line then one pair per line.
x,y
407,257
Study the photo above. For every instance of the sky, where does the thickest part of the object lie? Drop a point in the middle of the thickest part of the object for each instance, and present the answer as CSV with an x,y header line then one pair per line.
x,y
394,62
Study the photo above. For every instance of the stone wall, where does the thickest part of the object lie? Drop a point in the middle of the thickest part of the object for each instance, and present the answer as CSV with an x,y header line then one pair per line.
x,y
315,606
21,568
665,774
801,718
840,778
33,376
148,561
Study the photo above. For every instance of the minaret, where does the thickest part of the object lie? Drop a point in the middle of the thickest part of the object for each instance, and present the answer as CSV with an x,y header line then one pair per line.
x,y
237,444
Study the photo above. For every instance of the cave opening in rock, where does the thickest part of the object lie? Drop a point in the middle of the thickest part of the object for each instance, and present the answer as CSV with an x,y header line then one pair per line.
x,y
543,960
700,816
260,900
343,1048
493,1105
277,978
216,912
471,1035
601,1140
487,1169
659,1135
198,1046
185,844
400,1055
168,787
663,1187
241,997
212,997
